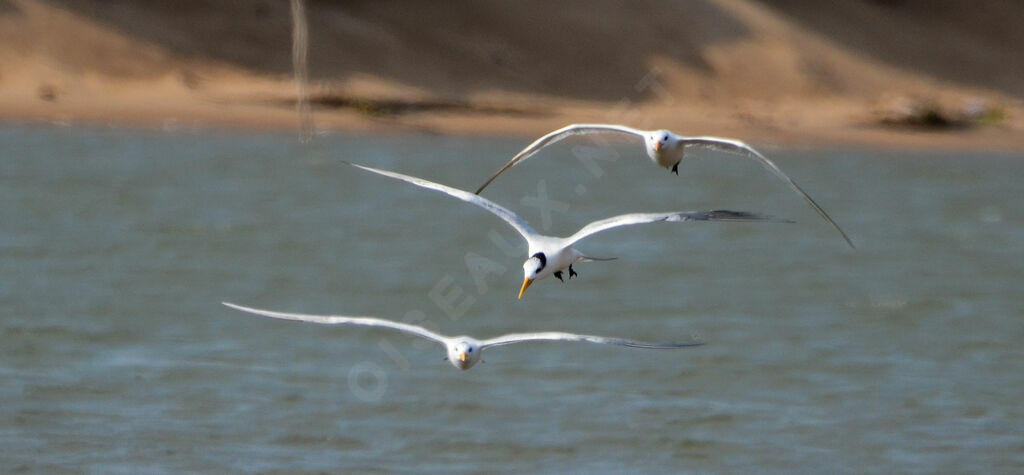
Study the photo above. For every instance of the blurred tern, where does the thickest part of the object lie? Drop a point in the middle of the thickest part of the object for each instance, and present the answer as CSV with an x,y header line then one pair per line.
x,y
549,255
463,351
666,149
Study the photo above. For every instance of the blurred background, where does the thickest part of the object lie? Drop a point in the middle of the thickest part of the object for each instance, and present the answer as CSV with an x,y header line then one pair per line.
x,y
787,72
150,169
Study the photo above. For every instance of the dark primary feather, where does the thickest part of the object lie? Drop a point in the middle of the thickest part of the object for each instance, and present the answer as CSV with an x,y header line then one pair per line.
x,y
727,215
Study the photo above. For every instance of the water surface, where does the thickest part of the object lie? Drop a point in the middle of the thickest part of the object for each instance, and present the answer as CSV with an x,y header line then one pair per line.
x,y
118,245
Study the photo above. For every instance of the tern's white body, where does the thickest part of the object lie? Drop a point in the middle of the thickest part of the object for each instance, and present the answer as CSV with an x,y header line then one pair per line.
x,y
559,255
462,351
669,153
666,149
549,255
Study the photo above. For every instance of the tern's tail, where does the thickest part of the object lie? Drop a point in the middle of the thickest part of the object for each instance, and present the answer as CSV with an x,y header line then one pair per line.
x,y
583,258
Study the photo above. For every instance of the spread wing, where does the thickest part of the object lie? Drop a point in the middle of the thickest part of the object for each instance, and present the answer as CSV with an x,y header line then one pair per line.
x,y
561,336
511,218
737,147
343,320
568,131
677,216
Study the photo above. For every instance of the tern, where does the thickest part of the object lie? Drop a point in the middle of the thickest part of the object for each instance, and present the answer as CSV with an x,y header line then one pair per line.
x,y
463,351
549,255
666,149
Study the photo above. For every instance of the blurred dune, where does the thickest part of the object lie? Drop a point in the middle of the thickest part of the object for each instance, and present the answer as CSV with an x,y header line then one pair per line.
x,y
777,71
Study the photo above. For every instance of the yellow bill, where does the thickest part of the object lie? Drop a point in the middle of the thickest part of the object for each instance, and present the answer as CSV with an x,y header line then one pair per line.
x,y
526,283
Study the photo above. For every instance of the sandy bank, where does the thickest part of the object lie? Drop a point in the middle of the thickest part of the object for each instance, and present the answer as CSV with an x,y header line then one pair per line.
x,y
780,72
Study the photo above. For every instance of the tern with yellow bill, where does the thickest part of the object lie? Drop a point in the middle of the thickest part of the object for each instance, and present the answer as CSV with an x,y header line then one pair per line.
x,y
549,255
462,351
666,149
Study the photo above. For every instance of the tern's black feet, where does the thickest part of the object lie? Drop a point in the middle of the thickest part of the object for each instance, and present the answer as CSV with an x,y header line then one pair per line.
x,y
559,275
572,273
675,168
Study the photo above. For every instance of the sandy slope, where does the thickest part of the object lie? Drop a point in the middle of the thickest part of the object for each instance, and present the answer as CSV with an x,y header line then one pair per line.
x,y
788,72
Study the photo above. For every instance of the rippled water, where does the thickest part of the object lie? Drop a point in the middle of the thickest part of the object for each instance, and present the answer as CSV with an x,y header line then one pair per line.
x,y
116,356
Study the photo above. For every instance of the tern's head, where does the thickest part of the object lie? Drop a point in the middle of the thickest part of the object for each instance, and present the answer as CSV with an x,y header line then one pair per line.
x,y
463,352
531,269
657,140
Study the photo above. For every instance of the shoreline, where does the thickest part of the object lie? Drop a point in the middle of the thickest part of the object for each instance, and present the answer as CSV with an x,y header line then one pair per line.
x,y
803,129
792,74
